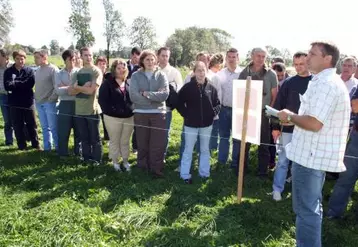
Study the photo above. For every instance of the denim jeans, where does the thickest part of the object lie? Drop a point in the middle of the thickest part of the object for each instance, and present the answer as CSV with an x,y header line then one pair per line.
x,y
214,135
91,144
307,187
168,118
66,121
346,181
282,164
48,119
182,145
8,129
191,135
225,127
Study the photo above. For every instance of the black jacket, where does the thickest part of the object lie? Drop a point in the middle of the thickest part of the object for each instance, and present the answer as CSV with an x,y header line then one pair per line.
x,y
113,101
130,70
19,84
198,104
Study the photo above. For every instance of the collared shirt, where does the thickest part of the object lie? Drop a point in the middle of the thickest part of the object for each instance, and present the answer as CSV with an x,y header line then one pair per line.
x,y
351,83
327,100
224,83
64,79
2,70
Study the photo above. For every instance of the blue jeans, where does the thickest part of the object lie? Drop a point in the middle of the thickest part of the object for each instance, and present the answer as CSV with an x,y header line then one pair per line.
x,y
169,116
5,110
48,119
307,187
346,181
191,135
182,144
225,127
279,179
91,144
214,135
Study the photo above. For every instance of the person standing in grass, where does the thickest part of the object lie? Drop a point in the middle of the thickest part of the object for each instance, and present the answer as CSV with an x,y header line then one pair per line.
x,y
4,104
319,140
18,82
149,89
198,104
117,113
288,98
46,99
101,63
66,108
86,84
175,83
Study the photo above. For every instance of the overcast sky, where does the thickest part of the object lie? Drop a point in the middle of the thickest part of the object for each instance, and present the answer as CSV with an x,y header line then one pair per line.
x,y
280,23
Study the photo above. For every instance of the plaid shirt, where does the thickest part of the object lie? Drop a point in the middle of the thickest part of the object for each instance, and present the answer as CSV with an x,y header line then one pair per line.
x,y
327,100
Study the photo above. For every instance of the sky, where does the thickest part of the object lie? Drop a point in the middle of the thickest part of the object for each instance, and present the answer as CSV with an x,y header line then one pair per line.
x,y
281,23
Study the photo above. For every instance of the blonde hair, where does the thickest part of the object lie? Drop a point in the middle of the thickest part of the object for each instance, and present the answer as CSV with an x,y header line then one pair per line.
x,y
114,66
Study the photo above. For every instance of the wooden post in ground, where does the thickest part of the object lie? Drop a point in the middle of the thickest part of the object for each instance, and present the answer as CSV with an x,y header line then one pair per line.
x,y
243,140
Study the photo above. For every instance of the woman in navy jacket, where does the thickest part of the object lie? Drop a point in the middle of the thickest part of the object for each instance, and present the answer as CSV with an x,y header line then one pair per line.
x,y
117,113
198,104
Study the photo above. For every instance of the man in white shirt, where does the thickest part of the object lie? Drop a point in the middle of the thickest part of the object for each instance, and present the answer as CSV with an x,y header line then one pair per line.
x,y
223,82
349,67
319,140
175,82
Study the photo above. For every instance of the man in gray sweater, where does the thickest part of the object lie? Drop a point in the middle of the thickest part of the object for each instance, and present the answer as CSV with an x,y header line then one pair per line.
x,y
46,98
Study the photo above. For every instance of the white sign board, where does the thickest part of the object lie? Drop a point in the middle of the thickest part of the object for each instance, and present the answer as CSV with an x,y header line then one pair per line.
x,y
254,111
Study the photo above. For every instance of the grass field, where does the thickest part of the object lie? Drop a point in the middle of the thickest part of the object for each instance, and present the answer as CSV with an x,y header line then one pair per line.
x,y
47,201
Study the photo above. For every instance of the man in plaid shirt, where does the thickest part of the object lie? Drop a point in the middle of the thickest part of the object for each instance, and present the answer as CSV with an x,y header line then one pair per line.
x,y
318,141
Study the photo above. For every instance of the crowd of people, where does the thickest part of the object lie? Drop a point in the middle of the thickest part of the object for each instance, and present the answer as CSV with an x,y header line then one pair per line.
x,y
135,100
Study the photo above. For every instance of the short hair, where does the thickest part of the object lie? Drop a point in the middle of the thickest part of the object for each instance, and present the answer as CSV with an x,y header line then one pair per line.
x,y
279,67
278,59
300,54
145,54
197,63
114,66
20,53
68,54
232,50
201,54
216,59
83,49
101,59
5,53
350,58
42,52
328,49
136,50
258,49
162,49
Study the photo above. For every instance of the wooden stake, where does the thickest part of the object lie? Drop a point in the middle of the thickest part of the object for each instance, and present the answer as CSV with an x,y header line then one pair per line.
x,y
243,140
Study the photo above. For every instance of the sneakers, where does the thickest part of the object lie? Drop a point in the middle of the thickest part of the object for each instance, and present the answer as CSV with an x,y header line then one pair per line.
x,y
289,180
117,167
127,166
177,169
188,181
276,196
134,151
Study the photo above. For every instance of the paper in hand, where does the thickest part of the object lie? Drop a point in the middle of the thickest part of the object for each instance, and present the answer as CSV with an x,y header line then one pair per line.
x,y
271,112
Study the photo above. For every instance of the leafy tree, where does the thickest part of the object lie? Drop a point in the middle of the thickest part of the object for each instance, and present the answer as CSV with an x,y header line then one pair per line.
x,y
142,33
54,47
6,20
44,47
31,49
62,49
114,27
79,23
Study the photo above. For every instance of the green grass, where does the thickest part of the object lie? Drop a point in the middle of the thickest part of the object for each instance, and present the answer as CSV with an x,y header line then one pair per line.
x,y
56,60
47,201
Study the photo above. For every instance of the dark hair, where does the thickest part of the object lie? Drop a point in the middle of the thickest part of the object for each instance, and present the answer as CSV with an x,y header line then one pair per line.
x,y
278,60
136,50
83,49
68,54
201,54
328,49
101,59
20,53
4,53
162,49
300,54
216,59
279,67
145,54
232,50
